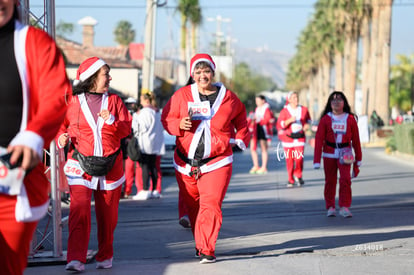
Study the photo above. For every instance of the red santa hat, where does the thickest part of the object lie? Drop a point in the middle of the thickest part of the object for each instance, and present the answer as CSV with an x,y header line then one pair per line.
x,y
87,68
201,57
288,97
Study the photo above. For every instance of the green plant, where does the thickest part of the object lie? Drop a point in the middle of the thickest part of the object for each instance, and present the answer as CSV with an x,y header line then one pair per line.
x,y
391,144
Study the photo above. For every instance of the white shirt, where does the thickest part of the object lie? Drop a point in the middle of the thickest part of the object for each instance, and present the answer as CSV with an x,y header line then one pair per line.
x,y
147,127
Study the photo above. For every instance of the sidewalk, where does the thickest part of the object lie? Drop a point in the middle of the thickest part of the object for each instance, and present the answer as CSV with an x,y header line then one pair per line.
x,y
270,229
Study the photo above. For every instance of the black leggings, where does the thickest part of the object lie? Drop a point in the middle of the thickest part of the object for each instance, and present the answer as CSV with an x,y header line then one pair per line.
x,y
149,169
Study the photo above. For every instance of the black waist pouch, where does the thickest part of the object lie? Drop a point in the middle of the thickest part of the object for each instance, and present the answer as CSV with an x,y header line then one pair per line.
x,y
297,135
96,166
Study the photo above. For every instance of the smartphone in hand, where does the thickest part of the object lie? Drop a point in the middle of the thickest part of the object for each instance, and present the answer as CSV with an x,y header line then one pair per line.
x,y
5,159
190,113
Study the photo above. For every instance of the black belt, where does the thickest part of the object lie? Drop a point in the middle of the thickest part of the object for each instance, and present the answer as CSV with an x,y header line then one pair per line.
x,y
337,145
193,162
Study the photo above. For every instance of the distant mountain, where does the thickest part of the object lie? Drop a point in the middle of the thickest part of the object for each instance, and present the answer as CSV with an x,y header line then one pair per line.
x,y
265,62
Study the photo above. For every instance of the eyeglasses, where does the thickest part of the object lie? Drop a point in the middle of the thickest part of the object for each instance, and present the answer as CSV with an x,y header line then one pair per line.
x,y
338,99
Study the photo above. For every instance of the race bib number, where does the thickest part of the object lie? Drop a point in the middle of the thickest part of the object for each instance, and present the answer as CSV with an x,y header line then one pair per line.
x,y
296,127
73,169
200,110
11,180
338,127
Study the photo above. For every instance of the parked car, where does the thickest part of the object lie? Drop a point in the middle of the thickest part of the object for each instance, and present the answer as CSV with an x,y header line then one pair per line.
x,y
167,165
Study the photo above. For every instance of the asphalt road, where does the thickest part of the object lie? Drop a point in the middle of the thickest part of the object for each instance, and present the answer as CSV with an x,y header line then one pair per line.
x,y
271,229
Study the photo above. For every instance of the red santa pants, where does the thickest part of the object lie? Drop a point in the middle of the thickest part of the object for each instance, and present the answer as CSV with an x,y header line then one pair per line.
x,y
106,210
204,198
331,167
294,161
15,238
133,168
182,207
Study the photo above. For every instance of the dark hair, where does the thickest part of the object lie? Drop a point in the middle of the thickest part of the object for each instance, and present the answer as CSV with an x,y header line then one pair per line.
x,y
16,14
190,81
262,97
201,64
87,85
328,107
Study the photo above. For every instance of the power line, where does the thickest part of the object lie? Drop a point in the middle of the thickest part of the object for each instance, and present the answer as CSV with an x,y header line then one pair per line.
x,y
248,6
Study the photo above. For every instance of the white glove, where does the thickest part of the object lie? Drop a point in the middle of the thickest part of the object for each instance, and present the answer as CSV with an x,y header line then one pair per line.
x,y
316,165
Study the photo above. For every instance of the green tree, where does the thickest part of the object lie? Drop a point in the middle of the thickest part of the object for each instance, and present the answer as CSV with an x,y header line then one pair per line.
x,y
195,18
63,28
247,84
401,83
124,34
189,11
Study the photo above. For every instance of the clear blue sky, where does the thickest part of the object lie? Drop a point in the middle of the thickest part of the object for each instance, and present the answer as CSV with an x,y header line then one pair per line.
x,y
275,24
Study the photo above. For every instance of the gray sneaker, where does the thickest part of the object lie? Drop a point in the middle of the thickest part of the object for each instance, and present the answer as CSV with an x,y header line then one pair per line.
x,y
344,212
331,212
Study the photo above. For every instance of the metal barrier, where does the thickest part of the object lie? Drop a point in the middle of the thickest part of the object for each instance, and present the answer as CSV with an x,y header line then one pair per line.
x,y
54,235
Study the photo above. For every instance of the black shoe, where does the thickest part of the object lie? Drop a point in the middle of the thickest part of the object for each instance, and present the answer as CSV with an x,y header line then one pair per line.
x,y
299,181
185,222
197,254
207,259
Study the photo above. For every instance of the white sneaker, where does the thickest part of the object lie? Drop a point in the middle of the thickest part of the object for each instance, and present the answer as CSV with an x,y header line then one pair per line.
x,y
331,212
344,212
155,195
104,264
75,265
142,195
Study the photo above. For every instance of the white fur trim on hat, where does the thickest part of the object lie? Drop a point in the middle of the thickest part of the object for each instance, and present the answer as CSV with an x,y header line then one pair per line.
x,y
202,60
90,71
290,94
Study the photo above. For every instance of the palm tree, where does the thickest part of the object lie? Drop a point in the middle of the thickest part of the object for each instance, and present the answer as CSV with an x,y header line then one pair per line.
x,y
353,17
124,34
187,9
373,64
337,18
384,47
195,18
366,53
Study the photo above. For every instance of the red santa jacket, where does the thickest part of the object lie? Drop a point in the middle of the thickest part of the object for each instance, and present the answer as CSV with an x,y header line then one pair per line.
x,y
45,92
285,131
332,130
99,138
228,115
262,117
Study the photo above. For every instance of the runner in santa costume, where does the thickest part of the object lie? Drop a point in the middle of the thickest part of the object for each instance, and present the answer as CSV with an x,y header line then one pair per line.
x,y
203,116
34,91
337,134
260,127
292,123
95,123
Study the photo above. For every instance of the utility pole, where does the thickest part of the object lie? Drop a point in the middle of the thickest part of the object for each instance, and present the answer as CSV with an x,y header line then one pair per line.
x,y
24,9
149,48
219,34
